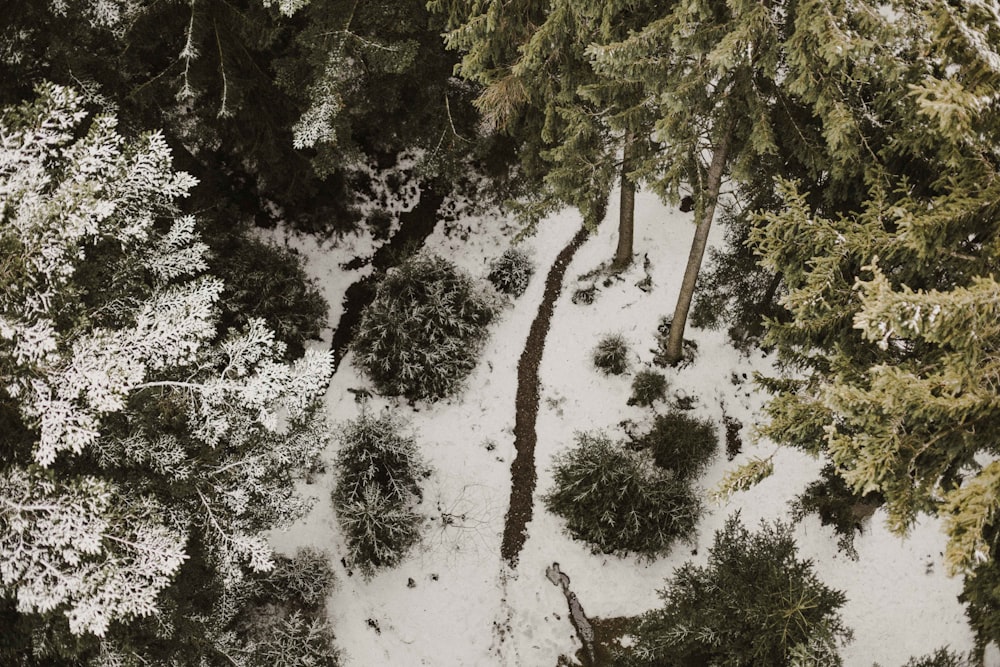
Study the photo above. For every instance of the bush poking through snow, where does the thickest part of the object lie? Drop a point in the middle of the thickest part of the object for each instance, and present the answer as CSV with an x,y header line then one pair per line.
x,y
421,335
618,501
754,603
681,443
378,472
611,354
511,271
648,386
584,295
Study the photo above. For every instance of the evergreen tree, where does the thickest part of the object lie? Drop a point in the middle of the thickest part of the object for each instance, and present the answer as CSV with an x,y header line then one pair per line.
x,y
280,100
892,325
754,603
147,453
579,130
716,74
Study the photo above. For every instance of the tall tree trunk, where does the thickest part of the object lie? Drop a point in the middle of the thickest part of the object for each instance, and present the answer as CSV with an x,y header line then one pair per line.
x,y
626,210
710,197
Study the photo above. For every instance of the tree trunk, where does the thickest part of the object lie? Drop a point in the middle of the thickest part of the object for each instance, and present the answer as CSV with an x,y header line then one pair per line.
x,y
710,197
626,210
772,289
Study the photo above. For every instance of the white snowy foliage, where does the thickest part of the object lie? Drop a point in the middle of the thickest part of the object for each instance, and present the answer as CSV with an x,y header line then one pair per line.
x,y
317,124
286,7
177,253
103,367
84,546
131,375
108,14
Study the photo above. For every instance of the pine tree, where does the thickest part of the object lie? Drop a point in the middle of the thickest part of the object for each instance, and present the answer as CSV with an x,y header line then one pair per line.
x,y
754,603
143,441
580,129
282,100
892,305
713,73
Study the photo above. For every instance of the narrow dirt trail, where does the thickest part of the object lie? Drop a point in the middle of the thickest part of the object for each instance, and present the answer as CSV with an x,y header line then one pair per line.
x,y
522,470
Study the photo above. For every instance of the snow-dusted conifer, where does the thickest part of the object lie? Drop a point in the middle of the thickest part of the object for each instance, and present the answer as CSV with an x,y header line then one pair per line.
x,y
892,306
142,430
378,473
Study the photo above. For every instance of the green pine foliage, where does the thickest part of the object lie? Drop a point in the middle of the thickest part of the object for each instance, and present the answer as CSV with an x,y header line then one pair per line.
x,y
838,506
378,485
511,271
981,596
943,657
734,290
611,355
266,281
681,443
573,126
892,322
754,603
648,387
618,501
421,335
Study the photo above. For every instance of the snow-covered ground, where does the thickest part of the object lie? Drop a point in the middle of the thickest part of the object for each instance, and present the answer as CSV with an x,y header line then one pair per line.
x,y
454,602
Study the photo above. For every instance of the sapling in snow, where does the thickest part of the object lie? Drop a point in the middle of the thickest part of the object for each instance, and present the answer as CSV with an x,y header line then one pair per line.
x,y
378,475
618,500
611,355
421,335
511,271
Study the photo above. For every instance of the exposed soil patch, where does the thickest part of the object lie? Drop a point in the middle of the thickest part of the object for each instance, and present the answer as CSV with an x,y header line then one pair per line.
x,y
522,470
608,635
415,226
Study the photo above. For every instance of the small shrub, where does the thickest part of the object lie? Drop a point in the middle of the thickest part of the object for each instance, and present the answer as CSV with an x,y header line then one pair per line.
x,y
421,335
648,386
511,272
584,295
754,603
611,354
617,501
838,506
681,443
266,281
377,486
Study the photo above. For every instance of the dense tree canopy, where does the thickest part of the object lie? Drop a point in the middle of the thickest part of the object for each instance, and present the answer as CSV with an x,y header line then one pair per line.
x,y
280,101
139,439
153,424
